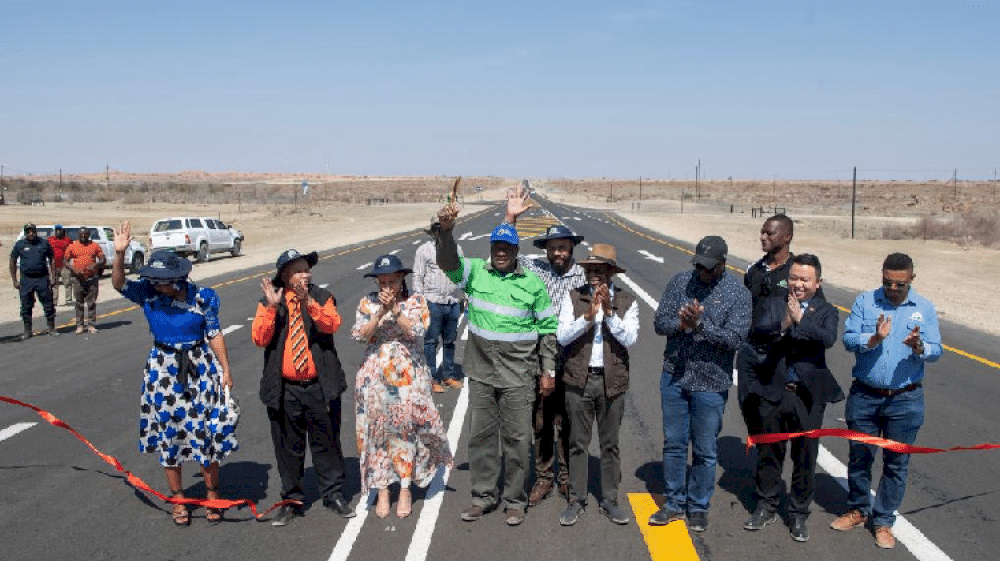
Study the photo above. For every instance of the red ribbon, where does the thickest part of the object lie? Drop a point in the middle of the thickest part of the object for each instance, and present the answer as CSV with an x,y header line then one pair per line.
x,y
860,437
138,483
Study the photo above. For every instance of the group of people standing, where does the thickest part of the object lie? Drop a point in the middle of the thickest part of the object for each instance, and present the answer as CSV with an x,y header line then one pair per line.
x,y
38,266
777,325
547,358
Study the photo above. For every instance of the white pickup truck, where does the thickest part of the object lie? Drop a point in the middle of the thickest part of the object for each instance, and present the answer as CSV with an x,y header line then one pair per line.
x,y
104,236
198,236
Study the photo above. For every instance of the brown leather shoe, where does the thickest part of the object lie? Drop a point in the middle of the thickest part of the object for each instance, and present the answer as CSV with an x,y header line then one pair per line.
x,y
438,388
539,492
453,383
852,519
884,537
473,513
514,516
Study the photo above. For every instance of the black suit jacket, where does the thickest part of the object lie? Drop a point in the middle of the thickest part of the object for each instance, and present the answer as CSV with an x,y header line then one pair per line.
x,y
803,347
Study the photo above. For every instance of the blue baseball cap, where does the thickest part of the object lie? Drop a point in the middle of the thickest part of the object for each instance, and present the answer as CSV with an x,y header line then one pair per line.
x,y
505,233
57,227
385,264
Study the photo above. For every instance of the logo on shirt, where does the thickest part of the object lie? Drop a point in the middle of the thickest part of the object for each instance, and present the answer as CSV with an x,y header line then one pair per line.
x,y
783,283
917,316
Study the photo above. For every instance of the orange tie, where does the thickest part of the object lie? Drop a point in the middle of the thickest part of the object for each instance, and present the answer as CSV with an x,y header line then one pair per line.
x,y
298,335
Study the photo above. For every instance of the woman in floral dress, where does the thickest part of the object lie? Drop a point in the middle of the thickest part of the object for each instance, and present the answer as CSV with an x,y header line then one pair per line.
x,y
399,431
183,414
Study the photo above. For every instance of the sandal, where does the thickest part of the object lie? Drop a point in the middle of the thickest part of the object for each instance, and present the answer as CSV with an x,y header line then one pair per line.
x,y
213,515
382,506
180,513
405,505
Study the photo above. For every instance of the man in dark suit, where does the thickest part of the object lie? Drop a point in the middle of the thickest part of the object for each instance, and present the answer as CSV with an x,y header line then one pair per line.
x,y
793,398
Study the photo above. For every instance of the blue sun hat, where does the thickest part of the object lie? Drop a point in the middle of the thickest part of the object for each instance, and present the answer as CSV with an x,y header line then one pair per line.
x,y
287,257
165,265
385,264
505,233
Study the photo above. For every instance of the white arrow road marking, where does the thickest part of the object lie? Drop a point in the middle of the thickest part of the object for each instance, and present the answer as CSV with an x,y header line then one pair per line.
x,y
464,236
323,285
230,329
638,291
395,251
649,255
474,238
415,242
15,429
366,265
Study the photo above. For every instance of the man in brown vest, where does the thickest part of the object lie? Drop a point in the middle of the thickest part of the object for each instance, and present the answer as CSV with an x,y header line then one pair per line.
x,y
597,323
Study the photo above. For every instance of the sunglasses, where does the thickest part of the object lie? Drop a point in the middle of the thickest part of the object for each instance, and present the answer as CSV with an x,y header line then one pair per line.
x,y
894,285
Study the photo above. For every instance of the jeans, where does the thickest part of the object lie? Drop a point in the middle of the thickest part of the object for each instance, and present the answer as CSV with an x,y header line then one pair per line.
x,y
897,418
694,417
500,419
444,324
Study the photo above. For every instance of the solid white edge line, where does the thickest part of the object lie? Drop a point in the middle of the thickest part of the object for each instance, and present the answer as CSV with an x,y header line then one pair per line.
x,y
906,533
15,429
420,543
353,528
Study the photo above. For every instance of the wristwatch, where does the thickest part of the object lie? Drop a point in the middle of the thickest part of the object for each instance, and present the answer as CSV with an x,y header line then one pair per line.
x,y
551,373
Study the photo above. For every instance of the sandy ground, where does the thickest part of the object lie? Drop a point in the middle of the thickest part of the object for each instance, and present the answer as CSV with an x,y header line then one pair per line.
x,y
853,264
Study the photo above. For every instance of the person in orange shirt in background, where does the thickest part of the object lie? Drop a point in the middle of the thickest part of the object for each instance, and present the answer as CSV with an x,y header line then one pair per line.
x,y
85,260
59,242
302,381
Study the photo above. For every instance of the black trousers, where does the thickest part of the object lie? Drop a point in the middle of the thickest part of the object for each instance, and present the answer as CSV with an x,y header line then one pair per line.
x,y
306,413
31,286
790,415
584,406
551,426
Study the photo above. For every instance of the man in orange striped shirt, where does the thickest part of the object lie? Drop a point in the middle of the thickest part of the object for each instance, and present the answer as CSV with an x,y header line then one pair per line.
x,y
302,381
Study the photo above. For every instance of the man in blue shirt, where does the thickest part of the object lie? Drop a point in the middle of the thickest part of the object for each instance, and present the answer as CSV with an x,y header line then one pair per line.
x,y
893,331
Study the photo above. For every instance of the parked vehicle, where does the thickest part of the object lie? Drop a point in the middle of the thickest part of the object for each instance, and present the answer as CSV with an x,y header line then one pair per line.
x,y
104,236
197,236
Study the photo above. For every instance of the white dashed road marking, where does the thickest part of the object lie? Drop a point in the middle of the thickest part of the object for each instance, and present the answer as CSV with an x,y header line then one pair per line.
x,y
14,430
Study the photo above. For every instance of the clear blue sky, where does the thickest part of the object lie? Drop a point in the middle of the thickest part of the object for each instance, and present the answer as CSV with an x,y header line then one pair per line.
x,y
763,89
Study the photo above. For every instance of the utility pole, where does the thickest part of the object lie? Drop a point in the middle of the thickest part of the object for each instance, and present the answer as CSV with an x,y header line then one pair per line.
x,y
640,188
60,181
854,198
954,181
107,176
611,192
697,187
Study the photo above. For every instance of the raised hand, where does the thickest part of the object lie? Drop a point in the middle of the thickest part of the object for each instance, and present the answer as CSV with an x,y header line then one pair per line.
x,y
794,308
518,201
123,236
883,327
388,301
271,294
913,340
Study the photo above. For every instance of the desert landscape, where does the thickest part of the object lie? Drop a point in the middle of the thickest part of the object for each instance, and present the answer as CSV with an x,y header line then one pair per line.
x,y
274,213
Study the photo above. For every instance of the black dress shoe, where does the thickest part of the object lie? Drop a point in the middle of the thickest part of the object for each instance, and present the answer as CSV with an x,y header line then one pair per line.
x,y
338,505
285,515
800,532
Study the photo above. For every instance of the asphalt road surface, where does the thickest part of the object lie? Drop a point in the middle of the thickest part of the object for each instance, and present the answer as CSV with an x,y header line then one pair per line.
x,y
60,501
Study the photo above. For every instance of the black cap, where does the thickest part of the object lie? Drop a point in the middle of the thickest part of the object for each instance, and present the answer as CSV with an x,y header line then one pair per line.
x,y
385,264
711,251
287,257
29,226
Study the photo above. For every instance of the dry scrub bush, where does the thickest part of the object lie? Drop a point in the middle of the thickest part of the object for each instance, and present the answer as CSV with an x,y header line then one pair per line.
x,y
980,227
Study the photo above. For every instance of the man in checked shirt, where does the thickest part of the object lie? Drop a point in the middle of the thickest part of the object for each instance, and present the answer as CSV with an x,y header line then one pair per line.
x,y
560,273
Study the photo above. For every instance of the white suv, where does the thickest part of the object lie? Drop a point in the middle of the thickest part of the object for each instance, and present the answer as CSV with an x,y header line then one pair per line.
x,y
198,236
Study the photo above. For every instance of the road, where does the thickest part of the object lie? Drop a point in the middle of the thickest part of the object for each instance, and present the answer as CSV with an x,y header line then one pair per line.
x,y
59,501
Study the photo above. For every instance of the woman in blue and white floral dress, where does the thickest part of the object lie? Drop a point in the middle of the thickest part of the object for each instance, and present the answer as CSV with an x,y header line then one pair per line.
x,y
183,413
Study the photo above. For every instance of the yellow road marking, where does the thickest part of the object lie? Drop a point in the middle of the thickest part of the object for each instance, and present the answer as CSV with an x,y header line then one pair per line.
x,y
671,542
968,355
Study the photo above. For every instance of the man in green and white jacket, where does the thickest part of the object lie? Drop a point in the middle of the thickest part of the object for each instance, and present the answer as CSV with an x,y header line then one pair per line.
x,y
512,340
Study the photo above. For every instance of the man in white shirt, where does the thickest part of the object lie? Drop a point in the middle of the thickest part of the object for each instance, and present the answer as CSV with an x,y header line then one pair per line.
x,y
597,323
